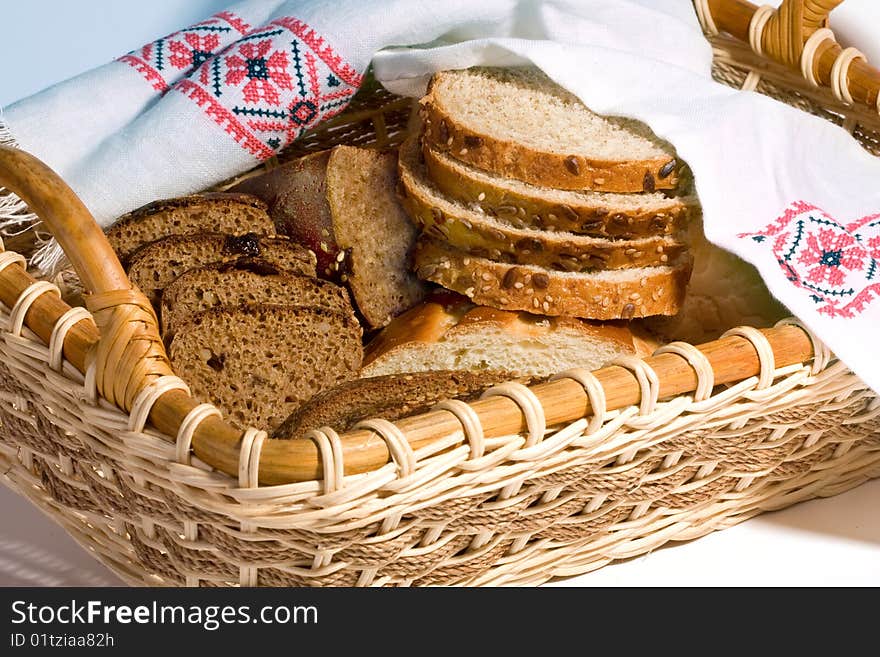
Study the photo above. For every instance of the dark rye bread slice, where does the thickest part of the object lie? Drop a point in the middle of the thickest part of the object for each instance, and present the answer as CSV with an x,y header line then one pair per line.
x,y
244,281
517,123
604,295
220,212
155,265
392,397
482,235
600,214
259,362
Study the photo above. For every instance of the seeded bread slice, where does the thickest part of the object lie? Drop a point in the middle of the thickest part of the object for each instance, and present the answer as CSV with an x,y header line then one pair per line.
x,y
600,214
155,265
259,362
244,281
517,123
613,294
450,332
391,397
482,235
220,212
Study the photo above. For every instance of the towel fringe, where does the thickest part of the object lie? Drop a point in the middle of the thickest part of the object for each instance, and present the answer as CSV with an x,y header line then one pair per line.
x,y
16,219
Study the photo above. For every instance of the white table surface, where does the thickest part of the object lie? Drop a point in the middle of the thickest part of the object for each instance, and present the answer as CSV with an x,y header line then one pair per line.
x,y
829,542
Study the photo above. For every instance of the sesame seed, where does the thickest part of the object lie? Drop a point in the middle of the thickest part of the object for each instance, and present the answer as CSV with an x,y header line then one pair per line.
x,y
629,252
518,285
504,300
530,291
643,282
340,256
486,276
659,249
549,299
545,306
485,288
463,151
635,296
469,292
482,196
535,302
606,302
664,258
466,261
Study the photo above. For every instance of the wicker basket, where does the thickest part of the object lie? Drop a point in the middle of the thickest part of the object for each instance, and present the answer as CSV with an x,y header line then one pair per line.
x,y
521,486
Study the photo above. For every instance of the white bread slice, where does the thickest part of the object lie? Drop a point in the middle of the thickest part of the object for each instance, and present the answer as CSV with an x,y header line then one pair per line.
x,y
448,332
600,214
611,294
517,123
480,234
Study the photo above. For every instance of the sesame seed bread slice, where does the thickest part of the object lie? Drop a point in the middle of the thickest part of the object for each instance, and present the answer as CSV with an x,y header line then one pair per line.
x,y
244,281
600,214
259,362
480,234
155,265
517,123
450,332
612,294
392,397
221,212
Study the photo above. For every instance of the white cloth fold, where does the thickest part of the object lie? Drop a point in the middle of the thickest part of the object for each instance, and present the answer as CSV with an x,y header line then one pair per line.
x,y
786,191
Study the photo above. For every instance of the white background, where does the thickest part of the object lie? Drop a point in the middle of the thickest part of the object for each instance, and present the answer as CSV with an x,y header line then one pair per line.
x,y
831,542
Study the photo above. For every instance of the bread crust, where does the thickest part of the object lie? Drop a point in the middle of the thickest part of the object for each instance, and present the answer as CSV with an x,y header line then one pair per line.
x,y
480,235
660,291
510,159
526,207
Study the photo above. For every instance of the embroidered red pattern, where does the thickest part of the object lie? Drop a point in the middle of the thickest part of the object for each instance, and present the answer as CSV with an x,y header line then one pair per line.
x,y
837,265
272,85
164,61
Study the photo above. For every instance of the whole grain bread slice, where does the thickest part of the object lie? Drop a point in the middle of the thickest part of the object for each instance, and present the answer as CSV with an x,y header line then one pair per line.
x,y
481,234
245,281
392,397
155,265
600,214
603,295
220,212
372,228
517,123
259,362
449,332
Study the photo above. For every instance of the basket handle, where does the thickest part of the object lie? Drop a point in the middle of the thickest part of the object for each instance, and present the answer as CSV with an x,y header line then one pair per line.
x,y
784,35
124,316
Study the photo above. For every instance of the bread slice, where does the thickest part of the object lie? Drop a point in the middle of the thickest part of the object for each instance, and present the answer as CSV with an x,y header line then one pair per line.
x,y
220,212
341,203
392,397
296,194
600,214
613,294
370,225
517,123
155,265
480,234
245,281
452,333
259,362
